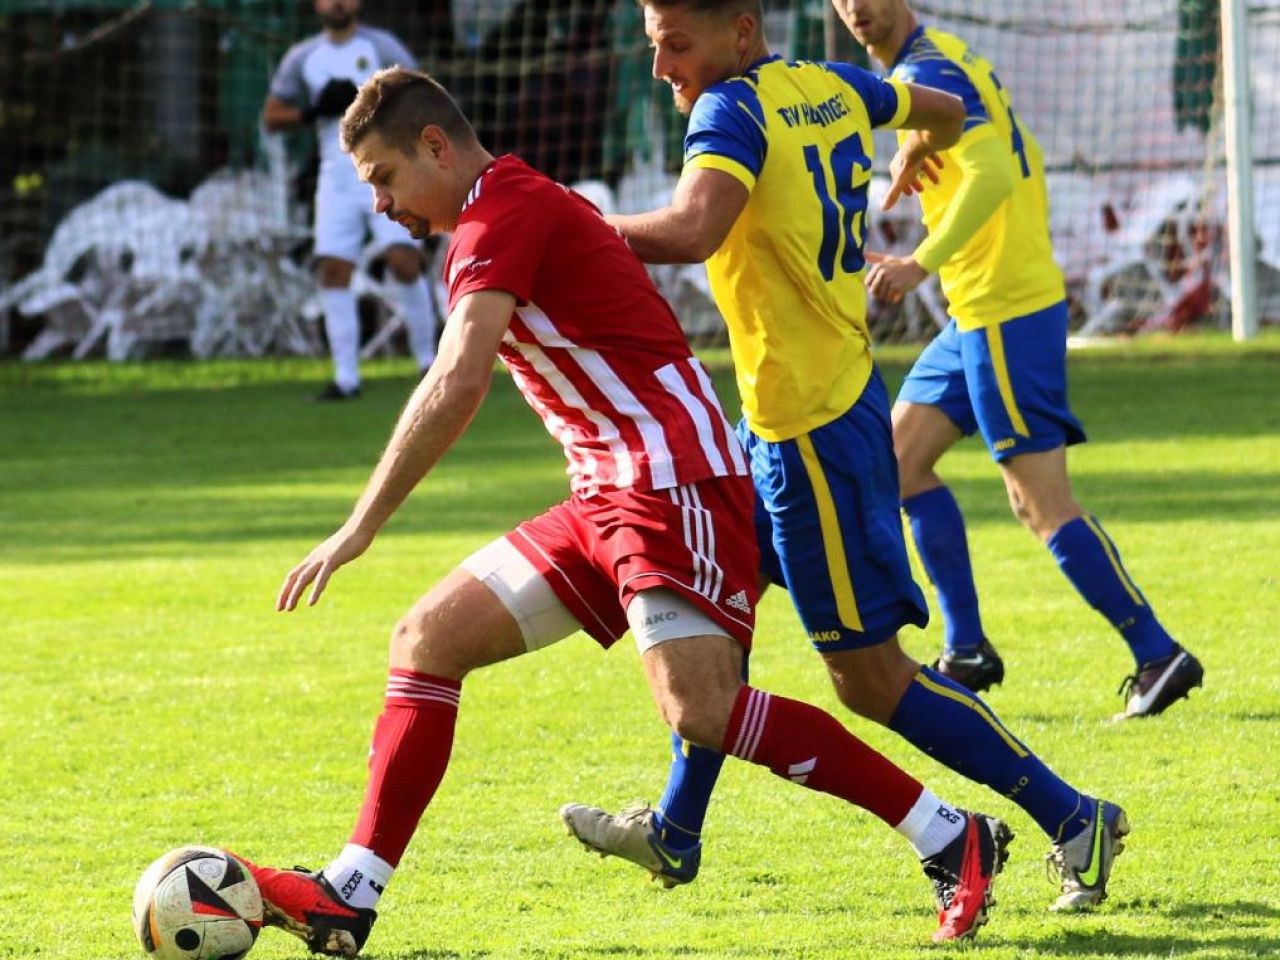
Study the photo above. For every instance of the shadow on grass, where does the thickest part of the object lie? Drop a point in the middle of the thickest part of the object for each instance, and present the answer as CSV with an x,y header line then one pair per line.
x,y
1252,716
1099,943
597,950
474,491
1231,910
133,468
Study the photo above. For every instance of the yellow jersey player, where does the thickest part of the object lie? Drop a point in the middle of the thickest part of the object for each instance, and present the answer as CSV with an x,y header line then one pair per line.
x,y
999,366
773,196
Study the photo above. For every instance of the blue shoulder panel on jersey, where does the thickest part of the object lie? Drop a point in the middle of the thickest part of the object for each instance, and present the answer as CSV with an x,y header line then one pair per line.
x,y
879,96
926,65
728,121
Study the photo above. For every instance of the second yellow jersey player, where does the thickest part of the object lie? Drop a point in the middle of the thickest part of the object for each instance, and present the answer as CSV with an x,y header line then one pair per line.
x,y
1001,264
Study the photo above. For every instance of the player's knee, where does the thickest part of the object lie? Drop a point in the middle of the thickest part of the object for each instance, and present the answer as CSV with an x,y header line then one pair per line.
x,y
700,717
909,465
1021,510
855,697
417,644
408,640
1040,521
871,681
697,724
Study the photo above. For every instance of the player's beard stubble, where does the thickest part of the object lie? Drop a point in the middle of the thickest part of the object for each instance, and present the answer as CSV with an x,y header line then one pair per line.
x,y
418,228
684,106
338,18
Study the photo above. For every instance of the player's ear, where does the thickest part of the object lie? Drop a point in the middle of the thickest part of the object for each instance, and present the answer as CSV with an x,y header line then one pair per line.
x,y
745,25
432,139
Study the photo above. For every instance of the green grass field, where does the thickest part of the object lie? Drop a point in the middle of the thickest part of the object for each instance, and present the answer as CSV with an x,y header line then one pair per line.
x,y
152,697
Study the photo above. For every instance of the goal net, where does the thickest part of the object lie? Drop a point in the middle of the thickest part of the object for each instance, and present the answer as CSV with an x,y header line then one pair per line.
x,y
142,207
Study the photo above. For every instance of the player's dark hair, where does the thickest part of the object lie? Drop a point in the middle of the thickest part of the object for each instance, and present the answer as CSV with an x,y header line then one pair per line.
x,y
753,7
397,103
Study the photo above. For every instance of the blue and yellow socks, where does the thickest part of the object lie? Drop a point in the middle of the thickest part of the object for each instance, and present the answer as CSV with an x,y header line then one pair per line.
x,y
937,528
1092,564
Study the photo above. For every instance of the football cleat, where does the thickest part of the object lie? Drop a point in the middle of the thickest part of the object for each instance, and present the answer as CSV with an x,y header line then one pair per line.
x,y
963,873
334,392
1159,684
976,671
632,836
1083,863
306,905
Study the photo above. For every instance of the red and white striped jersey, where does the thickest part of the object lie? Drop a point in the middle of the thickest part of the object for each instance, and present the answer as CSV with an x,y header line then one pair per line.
x,y
593,346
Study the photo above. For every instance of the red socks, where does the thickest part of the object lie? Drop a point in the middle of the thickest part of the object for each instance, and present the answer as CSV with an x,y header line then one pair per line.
x,y
810,747
411,744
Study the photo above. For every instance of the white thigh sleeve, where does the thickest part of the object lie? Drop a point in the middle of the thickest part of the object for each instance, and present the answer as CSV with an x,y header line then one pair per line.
x,y
658,615
524,592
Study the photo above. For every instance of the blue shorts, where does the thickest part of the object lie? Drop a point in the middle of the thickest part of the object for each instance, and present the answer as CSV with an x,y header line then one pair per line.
x,y
829,528
1008,380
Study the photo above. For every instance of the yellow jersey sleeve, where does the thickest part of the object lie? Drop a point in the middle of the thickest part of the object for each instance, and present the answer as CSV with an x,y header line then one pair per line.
x,y
1003,266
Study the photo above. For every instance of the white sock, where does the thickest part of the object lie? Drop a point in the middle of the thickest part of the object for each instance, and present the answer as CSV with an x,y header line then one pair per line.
x,y
419,319
342,327
359,875
930,825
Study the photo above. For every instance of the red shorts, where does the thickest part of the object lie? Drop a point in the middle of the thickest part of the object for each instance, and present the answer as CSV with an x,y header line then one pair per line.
x,y
699,539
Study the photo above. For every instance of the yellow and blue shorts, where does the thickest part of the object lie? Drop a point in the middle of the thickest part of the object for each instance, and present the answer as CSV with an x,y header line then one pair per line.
x,y
1008,380
829,529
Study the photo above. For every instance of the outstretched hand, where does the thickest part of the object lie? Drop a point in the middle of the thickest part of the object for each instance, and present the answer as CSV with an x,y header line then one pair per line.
x,y
321,564
906,170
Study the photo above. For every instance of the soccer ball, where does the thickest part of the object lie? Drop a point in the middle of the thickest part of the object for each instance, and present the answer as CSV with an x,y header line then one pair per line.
x,y
197,903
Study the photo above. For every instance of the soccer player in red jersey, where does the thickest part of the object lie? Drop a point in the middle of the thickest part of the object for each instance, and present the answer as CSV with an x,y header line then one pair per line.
x,y
657,534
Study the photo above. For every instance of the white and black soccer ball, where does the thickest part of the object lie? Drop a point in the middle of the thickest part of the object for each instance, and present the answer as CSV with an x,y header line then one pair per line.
x,y
197,903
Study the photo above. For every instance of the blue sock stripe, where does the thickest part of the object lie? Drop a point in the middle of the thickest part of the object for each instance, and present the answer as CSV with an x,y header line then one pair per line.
x,y
954,727
668,822
680,813
937,531
1109,548
1092,563
977,706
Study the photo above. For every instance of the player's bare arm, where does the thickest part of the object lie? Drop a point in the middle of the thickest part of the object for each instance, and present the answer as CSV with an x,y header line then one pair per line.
x,y
703,210
986,182
437,414
936,121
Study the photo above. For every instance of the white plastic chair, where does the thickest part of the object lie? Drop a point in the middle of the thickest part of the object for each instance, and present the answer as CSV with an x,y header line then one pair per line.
x,y
254,294
117,268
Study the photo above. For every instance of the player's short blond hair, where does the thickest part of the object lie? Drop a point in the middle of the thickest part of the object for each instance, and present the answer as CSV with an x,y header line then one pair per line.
x,y
397,104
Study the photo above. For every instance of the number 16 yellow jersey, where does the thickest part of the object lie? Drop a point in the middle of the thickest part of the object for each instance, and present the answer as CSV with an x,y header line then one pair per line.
x,y
789,277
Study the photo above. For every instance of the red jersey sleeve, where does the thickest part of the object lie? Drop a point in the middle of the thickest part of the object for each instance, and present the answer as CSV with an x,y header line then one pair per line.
x,y
500,245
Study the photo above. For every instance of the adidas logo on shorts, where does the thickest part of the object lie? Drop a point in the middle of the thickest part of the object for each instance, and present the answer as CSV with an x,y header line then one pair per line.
x,y
739,601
